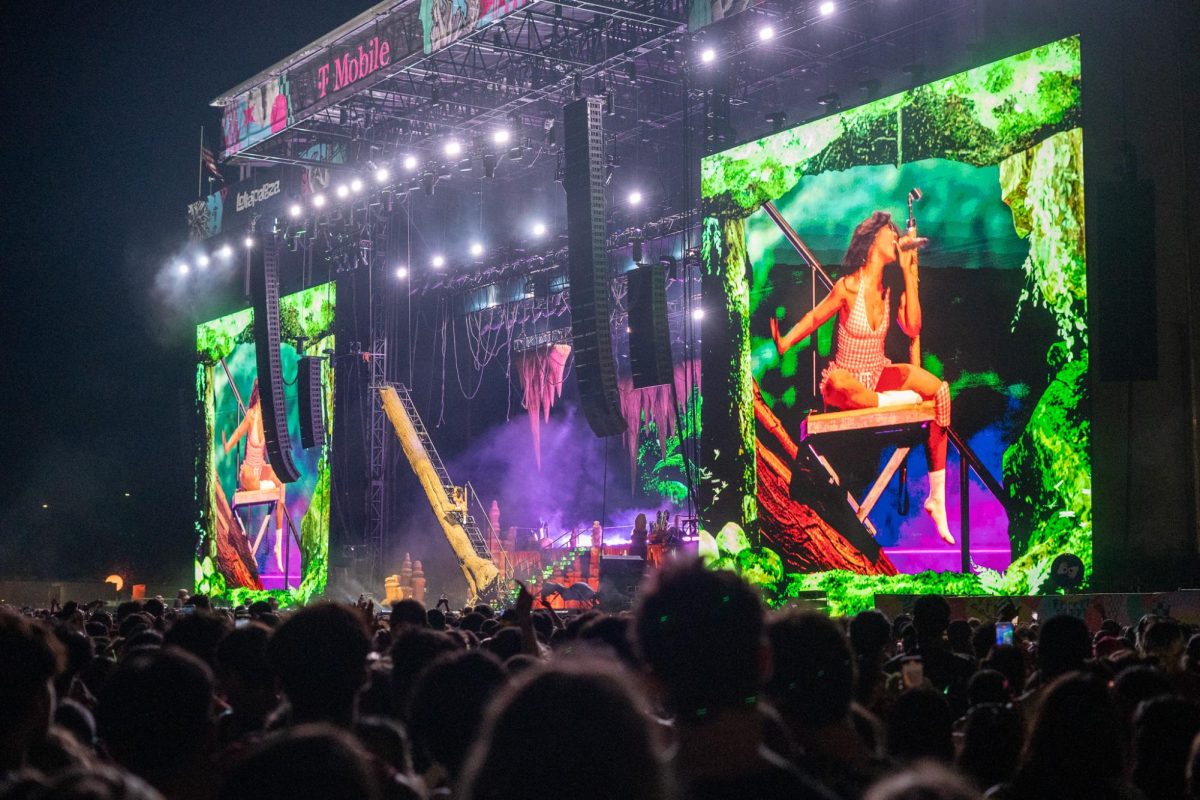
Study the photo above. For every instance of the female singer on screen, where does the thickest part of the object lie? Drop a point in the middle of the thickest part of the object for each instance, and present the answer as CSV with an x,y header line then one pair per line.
x,y
860,371
255,472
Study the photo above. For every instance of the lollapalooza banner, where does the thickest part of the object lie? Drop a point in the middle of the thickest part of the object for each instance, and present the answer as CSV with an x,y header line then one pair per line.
x,y
233,208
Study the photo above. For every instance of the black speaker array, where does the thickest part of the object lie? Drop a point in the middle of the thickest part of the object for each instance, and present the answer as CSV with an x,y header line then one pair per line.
x,y
649,333
1121,256
587,265
264,291
310,399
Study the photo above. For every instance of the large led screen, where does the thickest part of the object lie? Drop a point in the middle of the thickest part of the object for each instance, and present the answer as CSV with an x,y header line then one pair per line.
x,y
964,338
260,537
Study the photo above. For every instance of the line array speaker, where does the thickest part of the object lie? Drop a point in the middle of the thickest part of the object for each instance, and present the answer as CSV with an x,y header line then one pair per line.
x,y
587,265
649,332
264,291
310,399
1122,267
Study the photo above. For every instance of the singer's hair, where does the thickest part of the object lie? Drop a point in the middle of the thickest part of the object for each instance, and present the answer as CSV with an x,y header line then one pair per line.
x,y
863,238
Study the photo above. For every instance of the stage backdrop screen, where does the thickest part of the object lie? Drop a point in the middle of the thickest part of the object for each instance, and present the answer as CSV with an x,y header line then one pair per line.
x,y
988,321
258,537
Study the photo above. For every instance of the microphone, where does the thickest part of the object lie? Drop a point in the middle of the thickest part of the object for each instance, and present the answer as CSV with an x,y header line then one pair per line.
x,y
913,196
914,244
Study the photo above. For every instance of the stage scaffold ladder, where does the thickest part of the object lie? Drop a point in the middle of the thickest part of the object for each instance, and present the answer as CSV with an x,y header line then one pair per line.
x,y
452,504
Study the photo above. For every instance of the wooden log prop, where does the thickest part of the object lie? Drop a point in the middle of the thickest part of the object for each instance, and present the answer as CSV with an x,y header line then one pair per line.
x,y
234,559
806,542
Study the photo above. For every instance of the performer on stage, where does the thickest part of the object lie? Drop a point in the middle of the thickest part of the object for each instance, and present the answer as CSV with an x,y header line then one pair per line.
x,y
637,543
860,371
256,472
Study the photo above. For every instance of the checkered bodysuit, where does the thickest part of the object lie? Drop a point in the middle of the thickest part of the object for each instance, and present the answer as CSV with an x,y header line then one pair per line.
x,y
860,352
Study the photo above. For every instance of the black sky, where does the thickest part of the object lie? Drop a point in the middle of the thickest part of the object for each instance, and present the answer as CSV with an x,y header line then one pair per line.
x,y
103,104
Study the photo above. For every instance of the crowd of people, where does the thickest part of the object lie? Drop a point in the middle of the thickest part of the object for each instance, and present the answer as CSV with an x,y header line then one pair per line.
x,y
699,692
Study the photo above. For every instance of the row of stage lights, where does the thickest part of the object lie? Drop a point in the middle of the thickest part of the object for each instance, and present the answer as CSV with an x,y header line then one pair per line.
x,y
319,202
766,31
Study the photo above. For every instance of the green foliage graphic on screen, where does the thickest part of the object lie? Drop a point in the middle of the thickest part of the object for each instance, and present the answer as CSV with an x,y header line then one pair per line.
x,y
257,536
997,155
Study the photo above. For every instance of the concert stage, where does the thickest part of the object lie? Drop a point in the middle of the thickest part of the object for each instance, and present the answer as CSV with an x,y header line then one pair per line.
x,y
851,355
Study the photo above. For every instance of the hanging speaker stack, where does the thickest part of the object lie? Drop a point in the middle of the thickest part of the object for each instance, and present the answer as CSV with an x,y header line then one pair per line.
x,y
309,397
649,333
587,265
264,290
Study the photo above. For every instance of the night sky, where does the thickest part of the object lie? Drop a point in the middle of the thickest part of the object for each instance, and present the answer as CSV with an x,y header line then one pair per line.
x,y
103,104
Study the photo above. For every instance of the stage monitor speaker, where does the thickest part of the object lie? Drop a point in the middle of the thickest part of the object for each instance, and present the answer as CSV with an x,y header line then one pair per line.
x,y
310,399
587,265
264,291
620,577
649,332
1123,287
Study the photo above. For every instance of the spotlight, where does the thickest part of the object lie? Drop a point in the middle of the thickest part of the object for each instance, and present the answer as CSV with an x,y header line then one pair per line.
x,y
401,272
539,229
708,55
248,241
183,268
452,148
635,198
318,200
343,191
295,211
501,136
356,185
697,314
225,252
410,163
476,248
202,261
438,262
826,8
766,33
382,175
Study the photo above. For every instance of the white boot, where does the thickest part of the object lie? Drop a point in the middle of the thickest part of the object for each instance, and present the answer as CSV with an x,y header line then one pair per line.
x,y
935,505
279,546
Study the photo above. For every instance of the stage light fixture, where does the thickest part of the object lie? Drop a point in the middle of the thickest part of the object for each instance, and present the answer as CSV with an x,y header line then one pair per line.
x,y
202,261
539,229
476,248
438,262
382,175
356,185
766,33
708,55
827,8
343,191
296,210
225,252
501,136
452,148
635,198
318,200
248,242
401,272
697,314
183,268
410,163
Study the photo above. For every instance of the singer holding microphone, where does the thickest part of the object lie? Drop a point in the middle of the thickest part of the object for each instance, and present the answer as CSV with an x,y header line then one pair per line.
x,y
861,375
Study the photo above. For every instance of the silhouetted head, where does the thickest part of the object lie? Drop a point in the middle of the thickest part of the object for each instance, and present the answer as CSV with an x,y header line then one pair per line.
x,y
320,655
921,725
812,675
556,707
700,633
308,762
1064,645
447,706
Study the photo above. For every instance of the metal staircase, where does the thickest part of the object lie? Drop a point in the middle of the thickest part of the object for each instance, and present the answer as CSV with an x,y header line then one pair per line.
x,y
479,542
